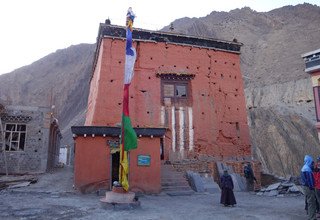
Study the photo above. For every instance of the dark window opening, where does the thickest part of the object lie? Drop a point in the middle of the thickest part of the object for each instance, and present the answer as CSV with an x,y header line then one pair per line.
x,y
181,90
238,129
15,137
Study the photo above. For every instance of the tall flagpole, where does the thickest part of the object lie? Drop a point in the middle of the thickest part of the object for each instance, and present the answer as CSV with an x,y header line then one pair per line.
x,y
128,140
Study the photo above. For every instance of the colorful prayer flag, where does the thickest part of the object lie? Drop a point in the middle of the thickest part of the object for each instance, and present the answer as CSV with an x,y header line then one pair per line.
x,y
128,135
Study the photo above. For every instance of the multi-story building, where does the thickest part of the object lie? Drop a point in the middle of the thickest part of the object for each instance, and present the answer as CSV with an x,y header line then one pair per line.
x,y
187,103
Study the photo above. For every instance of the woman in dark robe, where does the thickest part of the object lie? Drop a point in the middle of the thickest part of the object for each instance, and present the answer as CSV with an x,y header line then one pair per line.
x,y
227,196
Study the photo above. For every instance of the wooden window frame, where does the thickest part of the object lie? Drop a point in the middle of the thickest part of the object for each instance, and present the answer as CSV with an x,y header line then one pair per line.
x,y
20,136
176,99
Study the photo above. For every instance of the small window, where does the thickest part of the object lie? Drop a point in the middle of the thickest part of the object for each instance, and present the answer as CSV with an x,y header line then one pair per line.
x,y
181,91
168,90
175,92
15,137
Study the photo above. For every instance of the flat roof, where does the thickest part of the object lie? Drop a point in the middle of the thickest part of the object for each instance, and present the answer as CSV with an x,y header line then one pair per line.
x,y
114,31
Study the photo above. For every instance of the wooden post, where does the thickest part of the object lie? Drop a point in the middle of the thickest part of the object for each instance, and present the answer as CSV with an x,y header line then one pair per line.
x,y
3,145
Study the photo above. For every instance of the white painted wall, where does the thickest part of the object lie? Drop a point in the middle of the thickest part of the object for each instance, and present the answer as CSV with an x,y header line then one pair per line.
x,y
63,155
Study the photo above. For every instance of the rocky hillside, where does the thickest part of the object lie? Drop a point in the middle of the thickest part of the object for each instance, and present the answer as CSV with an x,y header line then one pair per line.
x,y
273,41
60,79
279,96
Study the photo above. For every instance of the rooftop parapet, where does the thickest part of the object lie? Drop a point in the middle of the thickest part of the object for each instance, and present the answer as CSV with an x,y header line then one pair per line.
x,y
312,61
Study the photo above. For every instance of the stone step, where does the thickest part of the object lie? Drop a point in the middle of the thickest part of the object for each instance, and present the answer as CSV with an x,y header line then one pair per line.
x,y
175,183
180,193
176,188
173,178
166,175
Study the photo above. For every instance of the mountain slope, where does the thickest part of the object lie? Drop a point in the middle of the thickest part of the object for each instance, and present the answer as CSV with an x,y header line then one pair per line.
x,y
59,79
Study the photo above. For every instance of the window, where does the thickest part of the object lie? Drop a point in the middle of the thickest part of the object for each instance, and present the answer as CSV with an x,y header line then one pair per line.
x,y
168,90
175,90
15,136
181,91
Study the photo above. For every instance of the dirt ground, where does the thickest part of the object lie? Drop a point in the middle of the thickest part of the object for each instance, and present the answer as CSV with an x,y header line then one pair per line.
x,y
53,197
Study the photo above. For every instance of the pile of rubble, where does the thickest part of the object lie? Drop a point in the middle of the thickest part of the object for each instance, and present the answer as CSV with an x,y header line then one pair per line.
x,y
17,181
281,189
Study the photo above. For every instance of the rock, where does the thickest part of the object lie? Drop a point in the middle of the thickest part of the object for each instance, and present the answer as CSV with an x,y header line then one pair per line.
x,y
239,182
269,129
283,191
195,181
295,189
272,193
273,187
300,189
295,180
18,185
287,184
209,185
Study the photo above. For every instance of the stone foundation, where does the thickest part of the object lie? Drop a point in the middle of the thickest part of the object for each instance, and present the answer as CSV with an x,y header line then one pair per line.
x,y
210,167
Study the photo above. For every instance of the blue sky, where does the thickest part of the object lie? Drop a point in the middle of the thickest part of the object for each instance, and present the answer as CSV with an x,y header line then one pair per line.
x,y
32,29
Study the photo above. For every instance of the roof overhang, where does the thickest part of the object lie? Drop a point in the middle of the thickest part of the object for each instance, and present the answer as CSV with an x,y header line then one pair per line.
x,y
115,131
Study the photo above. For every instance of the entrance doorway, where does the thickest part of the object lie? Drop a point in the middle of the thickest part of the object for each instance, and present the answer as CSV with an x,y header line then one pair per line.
x,y
161,149
115,163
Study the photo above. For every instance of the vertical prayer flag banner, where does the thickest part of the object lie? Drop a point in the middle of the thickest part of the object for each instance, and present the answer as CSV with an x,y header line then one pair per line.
x,y
128,135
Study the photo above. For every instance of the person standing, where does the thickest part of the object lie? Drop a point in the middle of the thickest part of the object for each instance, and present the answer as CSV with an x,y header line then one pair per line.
x,y
316,177
227,197
307,182
250,178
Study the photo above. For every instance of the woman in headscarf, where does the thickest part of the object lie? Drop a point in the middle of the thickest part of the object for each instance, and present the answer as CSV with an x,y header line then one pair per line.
x,y
307,182
227,196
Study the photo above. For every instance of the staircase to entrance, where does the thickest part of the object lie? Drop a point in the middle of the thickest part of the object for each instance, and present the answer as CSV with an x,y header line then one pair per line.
x,y
174,183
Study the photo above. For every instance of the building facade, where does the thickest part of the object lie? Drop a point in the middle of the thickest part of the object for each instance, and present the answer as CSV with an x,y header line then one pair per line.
x,y
188,89
312,62
30,141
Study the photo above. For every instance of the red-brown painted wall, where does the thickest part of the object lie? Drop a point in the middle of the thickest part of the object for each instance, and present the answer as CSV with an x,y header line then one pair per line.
x,y
145,178
92,166
218,103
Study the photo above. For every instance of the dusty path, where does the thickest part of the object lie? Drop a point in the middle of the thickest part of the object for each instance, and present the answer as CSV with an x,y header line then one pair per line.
x,y
53,198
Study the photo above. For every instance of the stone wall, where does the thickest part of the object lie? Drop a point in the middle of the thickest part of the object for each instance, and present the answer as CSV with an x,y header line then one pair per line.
x,y
33,159
210,167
